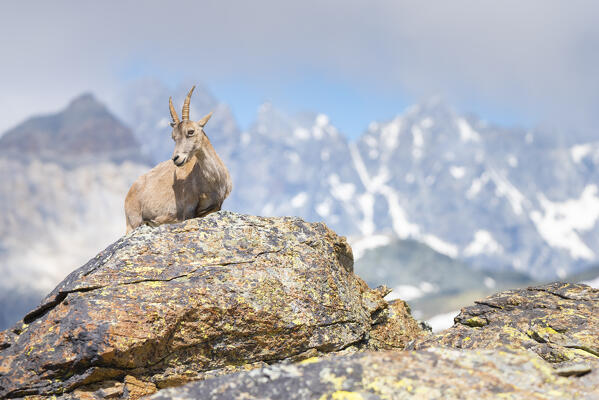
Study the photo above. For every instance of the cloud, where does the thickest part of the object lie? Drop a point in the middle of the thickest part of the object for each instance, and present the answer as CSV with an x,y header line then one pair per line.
x,y
533,59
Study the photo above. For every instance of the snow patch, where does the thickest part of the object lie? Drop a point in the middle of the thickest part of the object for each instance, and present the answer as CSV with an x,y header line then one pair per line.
x,y
512,161
489,282
370,141
301,133
579,152
390,135
592,283
427,123
409,292
442,321
441,246
417,142
418,137
322,120
299,200
467,134
366,203
360,245
506,189
341,191
482,243
560,222
477,185
401,226
324,209
457,172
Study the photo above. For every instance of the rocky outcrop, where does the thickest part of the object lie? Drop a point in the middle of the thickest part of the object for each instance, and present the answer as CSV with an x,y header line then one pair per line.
x,y
167,305
537,343
435,373
236,306
558,321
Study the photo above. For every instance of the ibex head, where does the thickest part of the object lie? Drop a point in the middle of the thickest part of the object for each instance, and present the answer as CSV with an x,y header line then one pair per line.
x,y
188,135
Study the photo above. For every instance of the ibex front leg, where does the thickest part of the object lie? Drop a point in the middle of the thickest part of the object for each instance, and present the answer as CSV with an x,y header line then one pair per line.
x,y
207,205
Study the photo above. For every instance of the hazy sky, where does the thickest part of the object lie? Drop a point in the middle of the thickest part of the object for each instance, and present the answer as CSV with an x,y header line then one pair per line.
x,y
523,62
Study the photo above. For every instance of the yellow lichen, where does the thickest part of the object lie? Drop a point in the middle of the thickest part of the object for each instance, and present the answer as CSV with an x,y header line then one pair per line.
x,y
345,395
476,322
310,360
337,381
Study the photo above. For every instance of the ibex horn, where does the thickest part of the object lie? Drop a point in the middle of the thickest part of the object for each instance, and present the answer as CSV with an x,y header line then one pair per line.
x,y
174,115
185,112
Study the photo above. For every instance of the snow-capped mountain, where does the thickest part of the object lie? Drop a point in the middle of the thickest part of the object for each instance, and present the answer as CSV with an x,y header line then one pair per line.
x,y
492,196
296,165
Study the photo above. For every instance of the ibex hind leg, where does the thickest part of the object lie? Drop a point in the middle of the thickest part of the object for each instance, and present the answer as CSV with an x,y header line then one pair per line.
x,y
133,221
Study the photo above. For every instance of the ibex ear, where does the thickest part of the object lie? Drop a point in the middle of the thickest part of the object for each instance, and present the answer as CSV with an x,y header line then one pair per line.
x,y
205,120
173,123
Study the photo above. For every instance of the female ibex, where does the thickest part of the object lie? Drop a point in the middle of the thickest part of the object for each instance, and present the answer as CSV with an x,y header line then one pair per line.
x,y
193,184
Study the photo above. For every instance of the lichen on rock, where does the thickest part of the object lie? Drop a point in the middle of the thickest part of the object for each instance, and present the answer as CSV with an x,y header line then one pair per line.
x,y
434,373
557,321
166,305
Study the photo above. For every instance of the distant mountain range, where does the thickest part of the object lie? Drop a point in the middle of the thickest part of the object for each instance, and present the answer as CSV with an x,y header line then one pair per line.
x,y
496,199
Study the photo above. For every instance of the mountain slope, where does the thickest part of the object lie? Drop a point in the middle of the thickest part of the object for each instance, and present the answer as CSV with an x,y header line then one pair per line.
x,y
517,202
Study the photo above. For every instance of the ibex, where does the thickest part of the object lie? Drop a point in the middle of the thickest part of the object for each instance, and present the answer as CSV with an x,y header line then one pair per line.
x,y
193,184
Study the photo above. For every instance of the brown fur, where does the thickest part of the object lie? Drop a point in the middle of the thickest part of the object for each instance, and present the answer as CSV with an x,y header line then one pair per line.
x,y
194,187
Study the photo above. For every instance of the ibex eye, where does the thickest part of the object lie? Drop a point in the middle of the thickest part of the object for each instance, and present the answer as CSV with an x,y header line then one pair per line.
x,y
190,132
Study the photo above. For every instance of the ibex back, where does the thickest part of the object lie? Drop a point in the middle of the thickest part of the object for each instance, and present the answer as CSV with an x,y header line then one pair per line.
x,y
193,184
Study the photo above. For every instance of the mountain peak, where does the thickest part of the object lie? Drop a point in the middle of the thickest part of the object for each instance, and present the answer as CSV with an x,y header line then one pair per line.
x,y
435,106
85,129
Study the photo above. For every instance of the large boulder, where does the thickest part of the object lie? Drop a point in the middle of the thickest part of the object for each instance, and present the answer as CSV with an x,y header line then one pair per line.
x,y
434,373
557,321
163,306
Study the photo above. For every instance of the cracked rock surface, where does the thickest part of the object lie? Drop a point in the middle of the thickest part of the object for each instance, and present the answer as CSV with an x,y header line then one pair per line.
x,y
535,343
557,321
435,373
163,306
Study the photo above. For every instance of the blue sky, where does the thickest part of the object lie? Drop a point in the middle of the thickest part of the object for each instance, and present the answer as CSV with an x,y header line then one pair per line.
x,y
510,62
